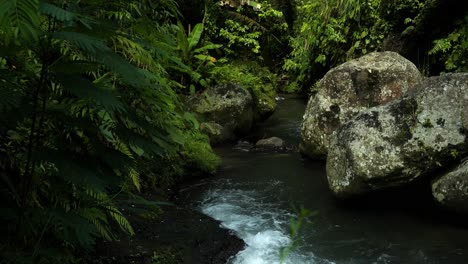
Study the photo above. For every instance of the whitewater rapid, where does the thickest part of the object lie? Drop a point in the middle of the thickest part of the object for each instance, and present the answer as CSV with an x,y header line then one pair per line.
x,y
262,225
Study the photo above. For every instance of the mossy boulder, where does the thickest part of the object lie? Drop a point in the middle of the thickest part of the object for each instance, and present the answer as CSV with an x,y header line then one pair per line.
x,y
394,144
264,101
372,80
216,132
228,105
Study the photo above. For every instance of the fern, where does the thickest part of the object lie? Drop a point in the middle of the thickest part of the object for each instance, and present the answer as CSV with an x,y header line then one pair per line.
x,y
441,46
120,219
99,220
57,12
135,177
10,92
20,18
85,102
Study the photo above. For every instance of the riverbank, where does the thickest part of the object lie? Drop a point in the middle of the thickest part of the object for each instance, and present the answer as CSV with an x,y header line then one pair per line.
x,y
176,235
255,195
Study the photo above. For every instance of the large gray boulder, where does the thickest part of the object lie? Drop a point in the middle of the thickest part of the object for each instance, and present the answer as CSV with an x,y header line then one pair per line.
x,y
451,190
346,90
228,105
396,143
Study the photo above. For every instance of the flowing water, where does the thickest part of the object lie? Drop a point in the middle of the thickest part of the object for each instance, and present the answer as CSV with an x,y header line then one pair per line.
x,y
255,195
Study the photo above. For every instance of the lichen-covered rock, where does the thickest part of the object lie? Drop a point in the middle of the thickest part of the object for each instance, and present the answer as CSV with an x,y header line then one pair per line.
x,y
451,190
371,80
393,144
229,105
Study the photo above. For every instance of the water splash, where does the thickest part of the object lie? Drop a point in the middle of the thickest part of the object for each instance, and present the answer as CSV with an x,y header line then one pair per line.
x,y
262,225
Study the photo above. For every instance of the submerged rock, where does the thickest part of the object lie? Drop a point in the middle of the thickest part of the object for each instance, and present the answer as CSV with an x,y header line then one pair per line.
x,y
451,190
228,105
273,142
346,90
244,146
394,144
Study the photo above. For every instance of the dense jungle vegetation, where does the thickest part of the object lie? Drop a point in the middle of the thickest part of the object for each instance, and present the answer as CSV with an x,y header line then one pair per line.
x,y
92,92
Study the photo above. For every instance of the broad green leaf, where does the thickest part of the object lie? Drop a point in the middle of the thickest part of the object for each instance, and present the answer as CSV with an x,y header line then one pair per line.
x,y
208,47
194,36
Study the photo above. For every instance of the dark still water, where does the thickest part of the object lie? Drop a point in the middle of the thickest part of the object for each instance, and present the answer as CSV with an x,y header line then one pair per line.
x,y
255,194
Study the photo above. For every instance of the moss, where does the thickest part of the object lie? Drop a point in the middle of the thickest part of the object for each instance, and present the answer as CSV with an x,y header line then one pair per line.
x,y
370,119
264,100
427,123
193,158
259,81
198,154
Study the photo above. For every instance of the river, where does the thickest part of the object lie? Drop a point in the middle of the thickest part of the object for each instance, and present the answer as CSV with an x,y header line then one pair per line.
x,y
255,195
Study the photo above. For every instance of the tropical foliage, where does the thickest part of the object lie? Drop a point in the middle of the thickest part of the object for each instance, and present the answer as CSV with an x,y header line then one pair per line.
x,y
327,33
453,49
331,32
260,81
90,111
254,30
85,99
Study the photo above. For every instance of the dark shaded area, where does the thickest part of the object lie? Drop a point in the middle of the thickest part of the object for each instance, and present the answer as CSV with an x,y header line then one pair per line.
x,y
438,20
414,199
177,235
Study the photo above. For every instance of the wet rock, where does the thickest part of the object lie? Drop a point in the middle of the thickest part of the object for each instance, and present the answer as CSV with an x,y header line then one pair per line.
x,y
228,105
394,144
178,235
273,142
243,146
216,132
451,190
264,102
346,90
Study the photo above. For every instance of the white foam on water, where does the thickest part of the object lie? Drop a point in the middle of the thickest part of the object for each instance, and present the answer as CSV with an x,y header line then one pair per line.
x,y
263,226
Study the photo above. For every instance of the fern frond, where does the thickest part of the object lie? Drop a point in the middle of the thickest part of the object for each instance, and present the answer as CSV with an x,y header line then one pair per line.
x,y
20,18
98,218
87,90
134,52
56,12
10,93
122,147
73,228
441,46
102,53
83,41
120,219
135,177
